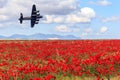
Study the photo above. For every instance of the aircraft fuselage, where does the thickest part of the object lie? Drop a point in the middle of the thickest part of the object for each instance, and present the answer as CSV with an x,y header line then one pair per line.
x,y
35,16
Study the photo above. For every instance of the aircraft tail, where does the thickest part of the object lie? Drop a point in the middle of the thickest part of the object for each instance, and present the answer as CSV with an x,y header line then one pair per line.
x,y
21,18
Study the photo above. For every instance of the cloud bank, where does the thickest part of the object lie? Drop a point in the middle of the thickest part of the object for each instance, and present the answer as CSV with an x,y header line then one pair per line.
x,y
55,11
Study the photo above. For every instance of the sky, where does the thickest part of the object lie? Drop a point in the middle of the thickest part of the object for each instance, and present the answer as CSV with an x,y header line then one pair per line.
x,y
87,19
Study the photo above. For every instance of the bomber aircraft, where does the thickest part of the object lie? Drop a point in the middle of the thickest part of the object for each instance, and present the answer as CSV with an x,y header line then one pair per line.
x,y
35,16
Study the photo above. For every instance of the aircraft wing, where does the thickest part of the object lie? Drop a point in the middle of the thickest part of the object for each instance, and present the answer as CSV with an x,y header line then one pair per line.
x,y
33,16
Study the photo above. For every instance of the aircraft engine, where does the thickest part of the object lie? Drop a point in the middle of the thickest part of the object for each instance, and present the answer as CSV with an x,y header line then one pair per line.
x,y
37,19
36,22
36,11
38,14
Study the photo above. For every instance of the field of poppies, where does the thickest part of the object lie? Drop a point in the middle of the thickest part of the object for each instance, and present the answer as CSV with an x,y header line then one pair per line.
x,y
59,60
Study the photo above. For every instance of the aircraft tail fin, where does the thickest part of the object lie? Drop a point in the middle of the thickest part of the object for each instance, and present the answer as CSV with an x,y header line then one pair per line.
x,y
21,18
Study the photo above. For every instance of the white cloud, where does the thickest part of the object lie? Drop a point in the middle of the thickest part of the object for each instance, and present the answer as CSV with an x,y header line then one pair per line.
x,y
62,28
73,18
49,19
112,19
101,2
89,32
104,29
58,6
53,19
88,12
67,28
83,15
3,17
59,19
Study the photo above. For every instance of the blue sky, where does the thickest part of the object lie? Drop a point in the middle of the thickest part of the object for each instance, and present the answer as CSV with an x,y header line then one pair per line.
x,y
87,19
